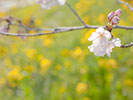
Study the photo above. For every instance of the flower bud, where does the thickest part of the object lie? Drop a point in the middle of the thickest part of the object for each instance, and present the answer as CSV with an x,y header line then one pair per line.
x,y
111,15
115,20
118,12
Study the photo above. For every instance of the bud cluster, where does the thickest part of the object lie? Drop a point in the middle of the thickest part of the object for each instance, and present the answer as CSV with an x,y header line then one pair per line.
x,y
114,17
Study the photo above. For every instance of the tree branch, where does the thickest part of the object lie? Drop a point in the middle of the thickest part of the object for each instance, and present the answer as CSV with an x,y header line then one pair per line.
x,y
60,30
125,3
127,45
54,30
76,14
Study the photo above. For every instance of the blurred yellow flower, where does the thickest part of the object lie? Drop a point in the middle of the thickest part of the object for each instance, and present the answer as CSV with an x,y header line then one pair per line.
x,y
29,68
38,22
39,57
77,52
2,14
58,67
109,64
3,51
81,88
2,81
48,42
31,53
62,90
102,18
14,76
32,32
27,20
87,35
128,82
112,63
65,52
44,64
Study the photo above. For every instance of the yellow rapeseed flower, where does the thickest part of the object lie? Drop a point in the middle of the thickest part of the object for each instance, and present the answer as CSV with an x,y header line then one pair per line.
x,y
77,52
48,42
109,64
62,90
29,68
128,82
32,32
26,20
65,52
14,76
38,22
81,88
2,14
58,67
31,53
2,81
3,51
112,63
87,35
44,64
101,18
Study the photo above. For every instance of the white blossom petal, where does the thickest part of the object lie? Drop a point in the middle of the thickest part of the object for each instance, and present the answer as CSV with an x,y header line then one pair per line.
x,y
117,42
100,46
47,4
93,36
62,2
107,34
91,48
100,30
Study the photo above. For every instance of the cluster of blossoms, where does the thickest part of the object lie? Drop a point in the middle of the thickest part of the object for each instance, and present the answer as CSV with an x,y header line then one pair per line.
x,y
101,39
47,4
101,43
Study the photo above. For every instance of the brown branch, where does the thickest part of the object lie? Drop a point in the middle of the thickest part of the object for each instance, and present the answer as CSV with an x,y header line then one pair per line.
x,y
125,3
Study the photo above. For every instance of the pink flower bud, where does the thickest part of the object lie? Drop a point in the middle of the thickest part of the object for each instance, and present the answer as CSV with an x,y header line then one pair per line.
x,y
118,12
115,20
111,15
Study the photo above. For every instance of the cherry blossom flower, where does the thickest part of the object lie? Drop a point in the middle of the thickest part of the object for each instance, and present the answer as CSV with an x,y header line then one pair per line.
x,y
101,43
99,40
47,4
115,42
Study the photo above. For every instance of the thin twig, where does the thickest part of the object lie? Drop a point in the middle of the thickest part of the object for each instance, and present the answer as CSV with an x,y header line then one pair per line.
x,y
127,45
76,14
125,3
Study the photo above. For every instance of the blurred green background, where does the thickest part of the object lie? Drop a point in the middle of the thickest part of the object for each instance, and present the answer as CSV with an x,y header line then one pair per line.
x,y
60,67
